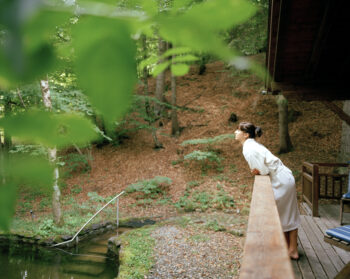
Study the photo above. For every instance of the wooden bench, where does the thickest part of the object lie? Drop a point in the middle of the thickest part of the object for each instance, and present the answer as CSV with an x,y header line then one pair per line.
x,y
340,237
265,251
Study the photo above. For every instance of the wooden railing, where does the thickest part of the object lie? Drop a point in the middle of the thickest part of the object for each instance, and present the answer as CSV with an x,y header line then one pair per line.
x,y
318,183
265,251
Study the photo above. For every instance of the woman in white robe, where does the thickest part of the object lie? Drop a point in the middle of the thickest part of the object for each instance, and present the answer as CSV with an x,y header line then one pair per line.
x,y
262,161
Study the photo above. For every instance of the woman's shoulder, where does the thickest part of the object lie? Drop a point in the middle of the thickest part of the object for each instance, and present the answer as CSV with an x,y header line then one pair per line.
x,y
252,144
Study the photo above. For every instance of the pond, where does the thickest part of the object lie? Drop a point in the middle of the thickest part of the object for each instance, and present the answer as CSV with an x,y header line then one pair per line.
x,y
88,260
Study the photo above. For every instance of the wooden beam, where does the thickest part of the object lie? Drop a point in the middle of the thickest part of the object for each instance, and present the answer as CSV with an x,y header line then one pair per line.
x,y
265,251
320,40
274,17
338,111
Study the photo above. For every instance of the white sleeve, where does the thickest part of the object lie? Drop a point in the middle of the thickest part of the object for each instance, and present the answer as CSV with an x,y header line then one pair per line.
x,y
256,160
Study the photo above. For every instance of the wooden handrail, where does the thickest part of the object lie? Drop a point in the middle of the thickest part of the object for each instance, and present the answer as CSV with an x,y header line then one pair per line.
x,y
265,251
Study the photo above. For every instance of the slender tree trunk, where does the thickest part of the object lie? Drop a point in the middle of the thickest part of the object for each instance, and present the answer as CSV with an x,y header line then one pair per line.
x,y
160,80
175,129
7,136
145,91
285,142
344,153
56,196
2,162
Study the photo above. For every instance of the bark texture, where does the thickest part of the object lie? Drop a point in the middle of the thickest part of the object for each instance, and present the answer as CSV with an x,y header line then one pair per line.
x,y
56,195
344,153
175,129
160,80
285,141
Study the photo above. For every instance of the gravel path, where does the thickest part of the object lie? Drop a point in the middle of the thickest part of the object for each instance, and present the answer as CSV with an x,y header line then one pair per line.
x,y
191,253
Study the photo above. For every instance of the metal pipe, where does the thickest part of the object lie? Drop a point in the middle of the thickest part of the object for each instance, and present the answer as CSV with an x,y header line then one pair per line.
x,y
117,196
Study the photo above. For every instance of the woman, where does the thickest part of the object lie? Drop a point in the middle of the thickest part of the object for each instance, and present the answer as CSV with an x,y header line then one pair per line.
x,y
262,161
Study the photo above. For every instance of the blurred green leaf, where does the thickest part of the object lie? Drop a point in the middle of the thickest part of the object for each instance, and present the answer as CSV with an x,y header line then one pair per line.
x,y
220,15
105,64
198,27
32,171
150,7
49,129
8,195
27,51
147,62
180,4
176,51
185,58
179,69
160,68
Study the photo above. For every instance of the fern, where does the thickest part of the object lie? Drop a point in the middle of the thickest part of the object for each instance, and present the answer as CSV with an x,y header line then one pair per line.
x,y
198,155
151,187
208,140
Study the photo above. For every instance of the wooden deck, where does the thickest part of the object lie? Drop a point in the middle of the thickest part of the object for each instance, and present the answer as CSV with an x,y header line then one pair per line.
x,y
319,259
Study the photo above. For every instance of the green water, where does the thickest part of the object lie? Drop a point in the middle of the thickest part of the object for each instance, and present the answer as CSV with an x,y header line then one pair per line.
x,y
89,261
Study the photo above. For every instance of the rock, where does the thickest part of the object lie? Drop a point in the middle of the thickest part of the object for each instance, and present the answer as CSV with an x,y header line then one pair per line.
x,y
233,118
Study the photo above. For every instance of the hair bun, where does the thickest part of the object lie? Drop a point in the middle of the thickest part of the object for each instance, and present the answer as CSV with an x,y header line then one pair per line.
x,y
258,131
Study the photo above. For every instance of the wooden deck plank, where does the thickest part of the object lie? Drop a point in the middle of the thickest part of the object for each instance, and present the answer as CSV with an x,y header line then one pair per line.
x,y
325,261
303,263
332,255
332,213
310,253
296,269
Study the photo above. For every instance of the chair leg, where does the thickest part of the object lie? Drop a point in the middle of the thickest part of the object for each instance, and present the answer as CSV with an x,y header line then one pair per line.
x,y
341,212
344,273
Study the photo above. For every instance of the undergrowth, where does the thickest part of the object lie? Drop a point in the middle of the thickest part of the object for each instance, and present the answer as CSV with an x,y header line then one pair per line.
x,y
136,257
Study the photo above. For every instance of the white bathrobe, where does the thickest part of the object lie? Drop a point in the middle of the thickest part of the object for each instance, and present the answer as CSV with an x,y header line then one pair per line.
x,y
282,180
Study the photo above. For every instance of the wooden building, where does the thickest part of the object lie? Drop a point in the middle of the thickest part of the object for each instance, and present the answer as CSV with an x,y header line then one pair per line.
x,y
307,56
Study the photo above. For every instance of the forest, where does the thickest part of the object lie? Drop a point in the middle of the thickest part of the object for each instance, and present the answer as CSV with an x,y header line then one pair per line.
x,y
141,97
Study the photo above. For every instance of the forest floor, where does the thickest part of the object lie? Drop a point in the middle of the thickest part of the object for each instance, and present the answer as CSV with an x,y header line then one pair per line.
x,y
206,191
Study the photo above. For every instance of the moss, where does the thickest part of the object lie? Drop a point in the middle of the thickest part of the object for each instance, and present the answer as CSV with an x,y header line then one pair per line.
x,y
136,257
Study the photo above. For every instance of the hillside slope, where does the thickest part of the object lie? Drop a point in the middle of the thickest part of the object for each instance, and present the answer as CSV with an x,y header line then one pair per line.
x,y
315,134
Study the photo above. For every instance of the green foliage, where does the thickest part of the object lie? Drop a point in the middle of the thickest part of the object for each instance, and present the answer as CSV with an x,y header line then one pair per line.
x,y
215,226
76,189
250,37
198,155
41,40
30,149
74,162
202,200
137,257
94,197
150,188
49,129
110,50
193,184
208,140
7,204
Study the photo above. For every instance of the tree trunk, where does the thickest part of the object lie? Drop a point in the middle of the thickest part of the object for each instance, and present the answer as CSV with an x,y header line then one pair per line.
x,y
56,203
175,129
2,162
344,153
285,142
157,144
7,136
160,80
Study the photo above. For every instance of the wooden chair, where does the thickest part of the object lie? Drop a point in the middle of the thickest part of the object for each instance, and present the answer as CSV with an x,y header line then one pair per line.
x,y
344,208
340,237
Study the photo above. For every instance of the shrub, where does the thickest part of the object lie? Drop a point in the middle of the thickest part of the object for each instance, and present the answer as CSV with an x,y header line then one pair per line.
x,y
150,188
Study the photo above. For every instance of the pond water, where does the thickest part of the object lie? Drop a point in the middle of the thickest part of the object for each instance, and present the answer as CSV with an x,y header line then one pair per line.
x,y
88,260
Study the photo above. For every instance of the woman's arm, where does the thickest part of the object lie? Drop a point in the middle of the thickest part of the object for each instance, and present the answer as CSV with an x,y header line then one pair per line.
x,y
256,162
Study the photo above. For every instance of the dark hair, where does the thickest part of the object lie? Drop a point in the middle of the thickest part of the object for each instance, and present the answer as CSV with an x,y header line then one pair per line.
x,y
250,129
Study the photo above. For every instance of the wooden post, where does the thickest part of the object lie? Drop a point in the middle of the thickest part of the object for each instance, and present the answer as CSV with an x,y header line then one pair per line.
x,y
315,190
265,250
